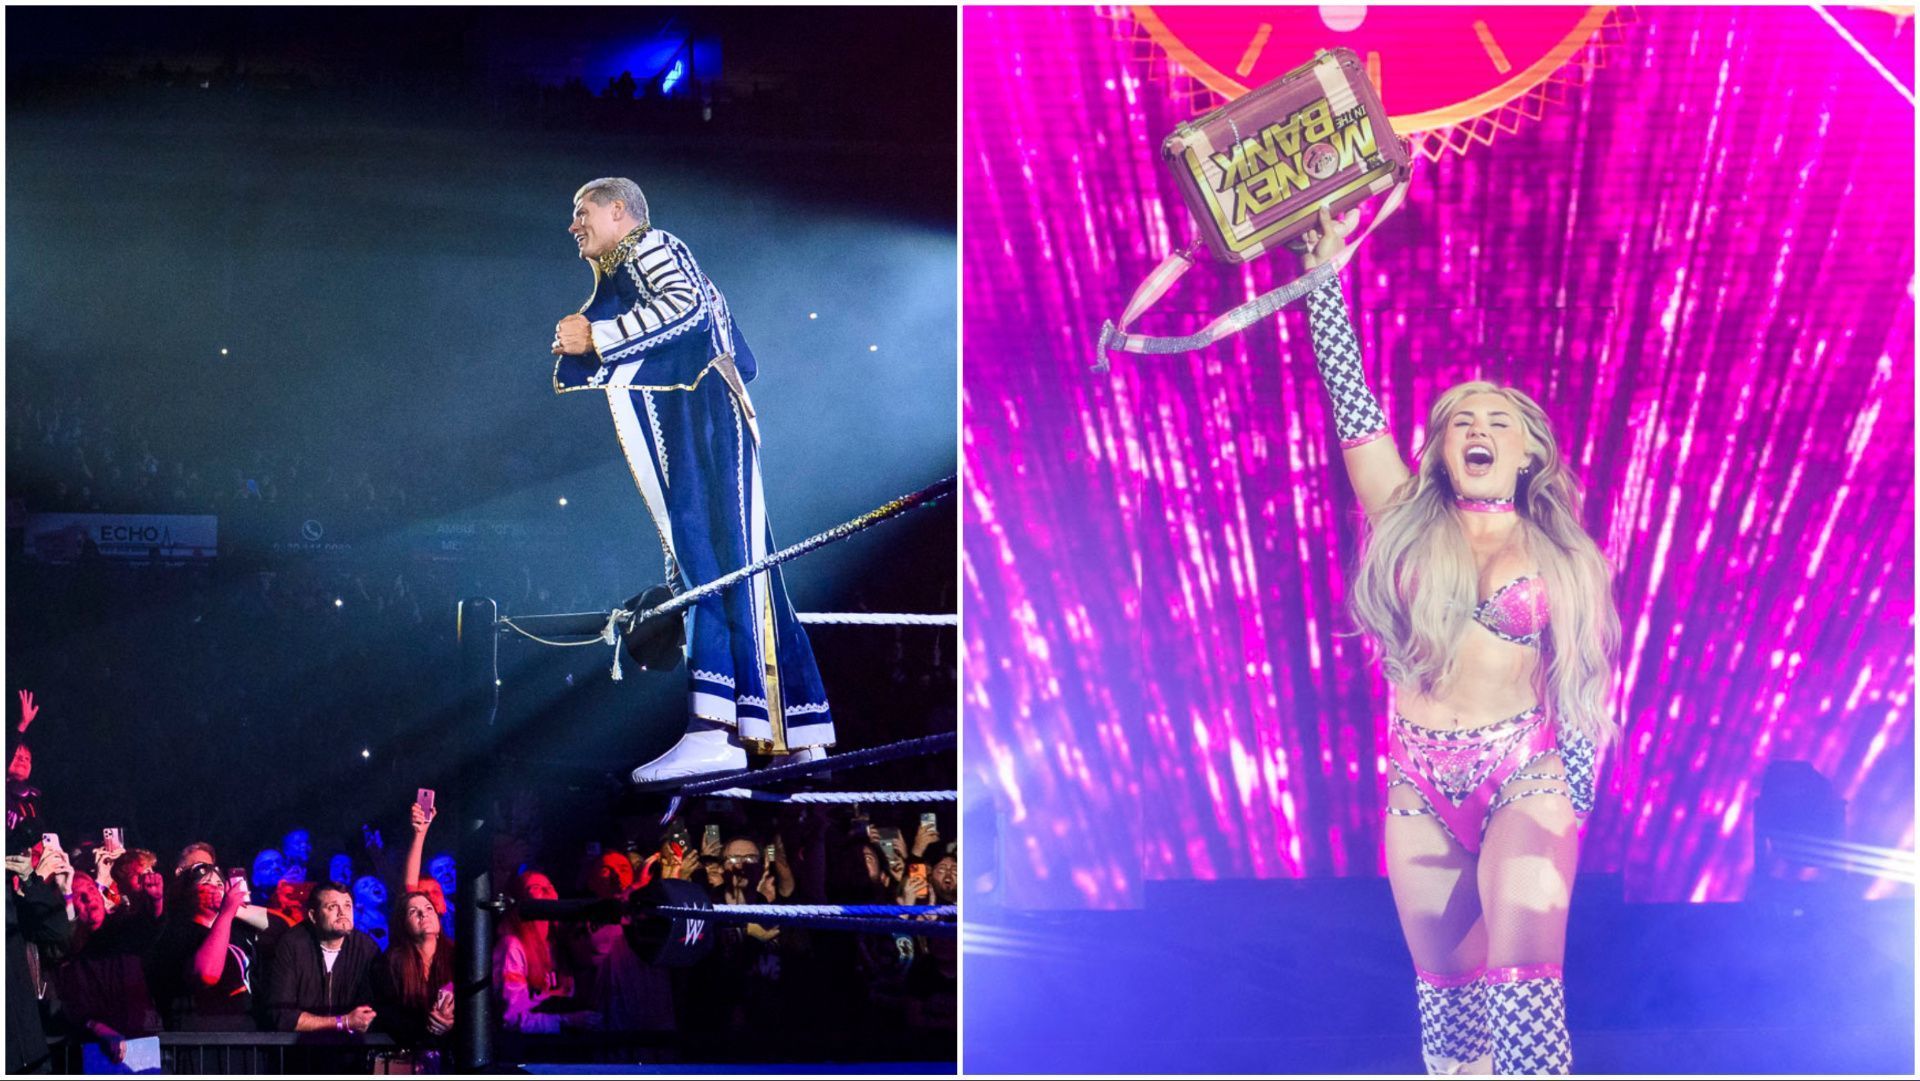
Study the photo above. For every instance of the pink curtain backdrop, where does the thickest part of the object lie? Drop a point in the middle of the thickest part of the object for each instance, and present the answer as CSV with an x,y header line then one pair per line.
x,y
1701,264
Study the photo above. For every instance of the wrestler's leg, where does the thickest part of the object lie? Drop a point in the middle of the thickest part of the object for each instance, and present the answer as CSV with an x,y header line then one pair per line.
x,y
1434,891
685,455
1527,863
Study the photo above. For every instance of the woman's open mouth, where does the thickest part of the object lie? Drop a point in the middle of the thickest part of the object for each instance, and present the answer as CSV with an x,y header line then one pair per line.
x,y
1479,461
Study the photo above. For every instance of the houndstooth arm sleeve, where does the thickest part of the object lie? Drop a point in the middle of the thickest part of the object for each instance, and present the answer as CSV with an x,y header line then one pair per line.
x,y
1357,416
1576,751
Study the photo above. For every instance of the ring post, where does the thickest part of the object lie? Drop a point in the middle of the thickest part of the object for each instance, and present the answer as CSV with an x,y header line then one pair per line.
x,y
476,624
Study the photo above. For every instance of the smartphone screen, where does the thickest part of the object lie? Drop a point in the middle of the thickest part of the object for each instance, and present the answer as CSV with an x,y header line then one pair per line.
x,y
928,820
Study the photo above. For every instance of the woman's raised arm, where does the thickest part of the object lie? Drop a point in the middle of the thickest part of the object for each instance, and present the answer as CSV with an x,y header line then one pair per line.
x,y
1373,463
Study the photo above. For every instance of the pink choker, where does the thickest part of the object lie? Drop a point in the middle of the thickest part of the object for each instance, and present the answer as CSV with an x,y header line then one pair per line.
x,y
1484,506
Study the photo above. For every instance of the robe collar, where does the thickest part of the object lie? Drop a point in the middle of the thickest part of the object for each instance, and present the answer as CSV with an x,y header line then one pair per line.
x,y
622,251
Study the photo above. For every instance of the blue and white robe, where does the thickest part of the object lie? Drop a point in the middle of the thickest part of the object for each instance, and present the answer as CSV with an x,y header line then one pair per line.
x,y
674,368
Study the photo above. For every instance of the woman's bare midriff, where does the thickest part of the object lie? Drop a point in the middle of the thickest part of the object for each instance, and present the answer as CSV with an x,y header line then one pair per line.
x,y
1492,682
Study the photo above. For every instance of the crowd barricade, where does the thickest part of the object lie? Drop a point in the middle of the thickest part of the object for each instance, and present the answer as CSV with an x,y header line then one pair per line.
x,y
250,1053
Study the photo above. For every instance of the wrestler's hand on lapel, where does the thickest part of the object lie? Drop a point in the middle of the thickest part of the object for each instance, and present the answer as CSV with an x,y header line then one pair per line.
x,y
573,336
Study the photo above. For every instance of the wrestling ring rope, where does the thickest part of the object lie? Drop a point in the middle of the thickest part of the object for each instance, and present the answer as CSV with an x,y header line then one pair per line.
x,y
666,921
715,784
608,626
864,919
942,795
856,619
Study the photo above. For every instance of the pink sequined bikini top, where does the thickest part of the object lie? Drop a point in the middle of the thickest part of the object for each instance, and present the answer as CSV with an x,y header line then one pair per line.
x,y
1517,611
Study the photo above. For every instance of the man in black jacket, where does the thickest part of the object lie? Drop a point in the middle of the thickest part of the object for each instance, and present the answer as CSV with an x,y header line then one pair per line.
x,y
322,971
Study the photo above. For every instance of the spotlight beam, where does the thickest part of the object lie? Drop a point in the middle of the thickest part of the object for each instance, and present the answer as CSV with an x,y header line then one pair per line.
x,y
1890,863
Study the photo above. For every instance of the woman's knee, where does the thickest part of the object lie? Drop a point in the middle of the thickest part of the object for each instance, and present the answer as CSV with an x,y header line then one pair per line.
x,y
1526,874
1525,906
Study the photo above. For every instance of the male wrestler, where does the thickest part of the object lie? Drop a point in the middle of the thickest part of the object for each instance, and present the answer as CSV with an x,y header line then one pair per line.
x,y
658,340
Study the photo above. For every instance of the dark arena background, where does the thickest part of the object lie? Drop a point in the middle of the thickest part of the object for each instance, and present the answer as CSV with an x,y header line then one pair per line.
x,y
1690,238
280,290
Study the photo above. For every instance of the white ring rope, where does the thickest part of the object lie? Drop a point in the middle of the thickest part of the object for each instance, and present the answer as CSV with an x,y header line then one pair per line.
x,y
882,619
600,639
855,619
814,910
937,796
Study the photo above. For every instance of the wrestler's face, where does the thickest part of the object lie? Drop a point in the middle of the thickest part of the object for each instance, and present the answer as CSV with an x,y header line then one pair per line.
x,y
1484,446
597,227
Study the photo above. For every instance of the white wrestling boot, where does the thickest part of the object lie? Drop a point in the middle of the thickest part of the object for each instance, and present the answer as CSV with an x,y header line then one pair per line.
x,y
702,751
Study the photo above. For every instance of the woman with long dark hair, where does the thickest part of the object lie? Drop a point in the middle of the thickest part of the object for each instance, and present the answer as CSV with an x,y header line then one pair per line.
x,y
413,981
1491,613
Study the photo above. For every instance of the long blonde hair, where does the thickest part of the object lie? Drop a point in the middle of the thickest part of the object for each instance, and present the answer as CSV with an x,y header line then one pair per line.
x,y
1418,586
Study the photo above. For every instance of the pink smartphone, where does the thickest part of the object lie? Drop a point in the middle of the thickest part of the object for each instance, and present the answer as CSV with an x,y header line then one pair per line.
x,y
424,798
110,838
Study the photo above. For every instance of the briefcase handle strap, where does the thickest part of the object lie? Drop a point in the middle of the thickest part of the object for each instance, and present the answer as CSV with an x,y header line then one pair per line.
x,y
1178,263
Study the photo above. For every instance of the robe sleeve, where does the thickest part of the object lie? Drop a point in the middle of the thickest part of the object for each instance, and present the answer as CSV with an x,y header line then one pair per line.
x,y
672,302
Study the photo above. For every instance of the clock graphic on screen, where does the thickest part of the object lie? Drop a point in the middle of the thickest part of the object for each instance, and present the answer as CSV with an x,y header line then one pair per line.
x,y
1463,74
